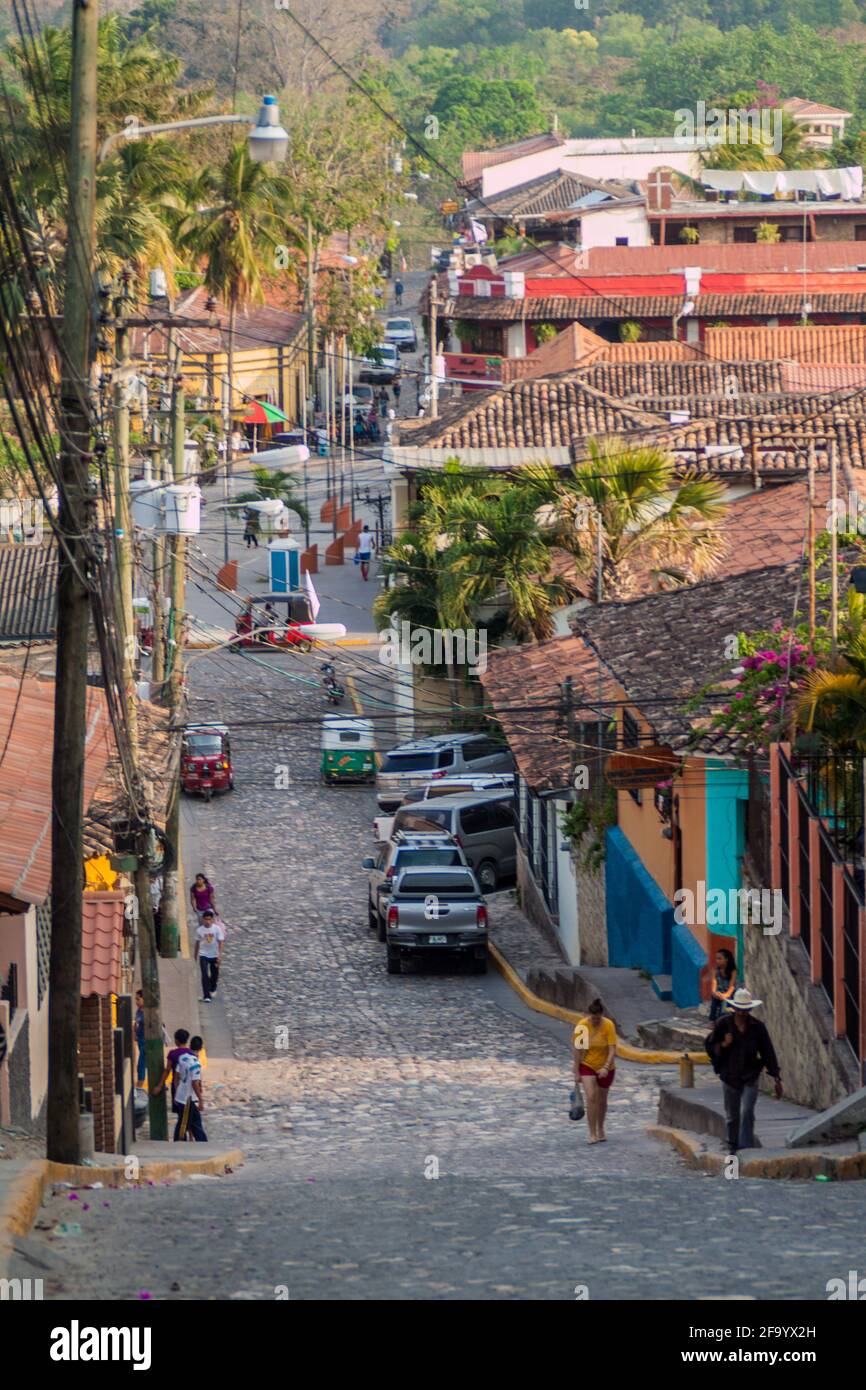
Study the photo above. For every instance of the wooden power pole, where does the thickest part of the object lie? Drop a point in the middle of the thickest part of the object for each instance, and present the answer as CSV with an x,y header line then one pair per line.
x,y
73,602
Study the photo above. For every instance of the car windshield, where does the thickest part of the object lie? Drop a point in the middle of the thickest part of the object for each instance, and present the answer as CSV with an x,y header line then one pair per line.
x,y
421,821
407,857
204,745
454,885
409,762
398,325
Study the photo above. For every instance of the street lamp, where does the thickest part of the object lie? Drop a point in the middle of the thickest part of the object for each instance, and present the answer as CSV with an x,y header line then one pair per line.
x,y
267,141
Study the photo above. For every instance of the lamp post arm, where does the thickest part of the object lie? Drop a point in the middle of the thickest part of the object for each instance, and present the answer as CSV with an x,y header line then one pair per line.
x,y
134,131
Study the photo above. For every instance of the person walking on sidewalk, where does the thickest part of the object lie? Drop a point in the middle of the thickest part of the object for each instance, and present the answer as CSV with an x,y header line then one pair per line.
x,y
202,895
141,1071
724,983
594,1058
365,549
189,1094
251,530
398,292
181,1039
740,1048
209,937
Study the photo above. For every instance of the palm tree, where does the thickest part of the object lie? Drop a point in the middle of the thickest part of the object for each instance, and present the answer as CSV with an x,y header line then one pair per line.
x,y
234,220
278,485
833,699
651,517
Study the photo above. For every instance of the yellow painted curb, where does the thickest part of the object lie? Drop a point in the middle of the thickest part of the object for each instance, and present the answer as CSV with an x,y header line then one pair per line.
x,y
24,1198
798,1164
625,1050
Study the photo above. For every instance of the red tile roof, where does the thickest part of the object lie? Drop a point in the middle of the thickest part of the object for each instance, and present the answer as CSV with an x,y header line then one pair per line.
x,y
476,161
101,943
719,256
800,106
256,328
25,780
837,343
523,684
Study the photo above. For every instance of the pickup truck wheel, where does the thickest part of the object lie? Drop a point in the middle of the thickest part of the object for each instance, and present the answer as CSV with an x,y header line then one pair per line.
x,y
372,917
486,875
395,965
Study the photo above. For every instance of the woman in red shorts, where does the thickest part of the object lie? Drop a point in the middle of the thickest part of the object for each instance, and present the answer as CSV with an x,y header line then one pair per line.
x,y
594,1058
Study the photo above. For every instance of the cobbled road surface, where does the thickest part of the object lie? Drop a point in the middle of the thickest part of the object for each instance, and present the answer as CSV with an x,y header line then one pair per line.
x,y
407,1137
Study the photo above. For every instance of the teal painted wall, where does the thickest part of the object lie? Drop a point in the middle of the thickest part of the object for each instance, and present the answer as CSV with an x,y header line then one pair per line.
x,y
727,791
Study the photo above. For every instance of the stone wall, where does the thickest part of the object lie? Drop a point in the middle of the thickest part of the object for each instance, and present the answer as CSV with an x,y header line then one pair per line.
x,y
817,1069
591,910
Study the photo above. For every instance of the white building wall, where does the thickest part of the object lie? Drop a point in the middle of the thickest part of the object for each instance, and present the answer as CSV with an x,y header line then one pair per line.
x,y
598,159
569,925
603,227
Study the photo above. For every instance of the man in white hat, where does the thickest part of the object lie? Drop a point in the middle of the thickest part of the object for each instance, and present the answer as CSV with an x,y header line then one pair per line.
x,y
740,1048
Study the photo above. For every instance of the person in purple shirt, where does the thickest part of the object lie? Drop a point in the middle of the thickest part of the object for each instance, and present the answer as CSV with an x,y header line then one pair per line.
x,y
202,896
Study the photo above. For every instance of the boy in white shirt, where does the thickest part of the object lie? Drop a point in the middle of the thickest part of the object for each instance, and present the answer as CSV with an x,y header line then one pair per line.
x,y
209,937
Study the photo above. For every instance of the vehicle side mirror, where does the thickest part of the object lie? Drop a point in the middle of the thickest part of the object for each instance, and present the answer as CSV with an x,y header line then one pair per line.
x,y
368,863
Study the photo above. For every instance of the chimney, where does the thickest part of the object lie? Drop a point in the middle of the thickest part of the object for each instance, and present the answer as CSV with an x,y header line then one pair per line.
x,y
659,190
692,275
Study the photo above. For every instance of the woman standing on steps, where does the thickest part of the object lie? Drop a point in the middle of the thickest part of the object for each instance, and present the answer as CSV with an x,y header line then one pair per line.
x,y
594,1058
724,983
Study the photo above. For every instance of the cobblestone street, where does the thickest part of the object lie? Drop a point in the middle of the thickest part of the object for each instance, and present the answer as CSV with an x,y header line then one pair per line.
x,y
387,1081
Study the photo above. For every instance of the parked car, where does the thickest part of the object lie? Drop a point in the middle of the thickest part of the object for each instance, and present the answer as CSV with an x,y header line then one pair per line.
x,y
381,366
446,786
435,910
423,760
406,851
360,394
401,332
284,439
482,824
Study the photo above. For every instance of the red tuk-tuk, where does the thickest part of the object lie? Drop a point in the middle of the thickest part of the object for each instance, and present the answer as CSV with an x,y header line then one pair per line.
x,y
206,760
262,626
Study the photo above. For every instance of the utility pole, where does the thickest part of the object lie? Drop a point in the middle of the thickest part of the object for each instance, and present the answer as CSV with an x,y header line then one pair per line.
x,y
311,310
153,1047
122,519
157,660
434,346
73,601
811,533
173,878
834,553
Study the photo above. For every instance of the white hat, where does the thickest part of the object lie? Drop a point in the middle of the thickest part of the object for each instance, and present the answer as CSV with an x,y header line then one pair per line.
x,y
742,1000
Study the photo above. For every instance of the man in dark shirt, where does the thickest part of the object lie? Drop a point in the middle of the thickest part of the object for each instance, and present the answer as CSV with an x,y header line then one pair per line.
x,y
181,1041
740,1048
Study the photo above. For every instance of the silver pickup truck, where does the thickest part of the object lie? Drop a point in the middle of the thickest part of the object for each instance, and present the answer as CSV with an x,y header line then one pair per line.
x,y
435,910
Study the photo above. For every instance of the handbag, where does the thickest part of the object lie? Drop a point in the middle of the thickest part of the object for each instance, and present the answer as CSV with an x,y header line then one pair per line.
x,y
577,1110
357,558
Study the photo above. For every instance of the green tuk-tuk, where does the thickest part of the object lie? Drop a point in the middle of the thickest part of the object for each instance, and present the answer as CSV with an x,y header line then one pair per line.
x,y
348,750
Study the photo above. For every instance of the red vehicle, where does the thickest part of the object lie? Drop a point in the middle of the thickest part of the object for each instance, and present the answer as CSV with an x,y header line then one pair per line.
x,y
263,627
206,760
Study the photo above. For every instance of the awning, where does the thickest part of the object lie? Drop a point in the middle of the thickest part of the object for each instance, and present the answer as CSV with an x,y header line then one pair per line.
x,y
263,413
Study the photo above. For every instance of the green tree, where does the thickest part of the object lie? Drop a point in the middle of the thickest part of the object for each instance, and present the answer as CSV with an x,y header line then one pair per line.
x,y
231,227
275,485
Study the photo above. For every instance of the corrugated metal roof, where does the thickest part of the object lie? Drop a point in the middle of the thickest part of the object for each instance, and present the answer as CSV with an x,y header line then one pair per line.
x,y
28,583
26,734
101,943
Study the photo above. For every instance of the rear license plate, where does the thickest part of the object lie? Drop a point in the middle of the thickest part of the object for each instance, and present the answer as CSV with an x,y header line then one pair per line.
x,y
437,940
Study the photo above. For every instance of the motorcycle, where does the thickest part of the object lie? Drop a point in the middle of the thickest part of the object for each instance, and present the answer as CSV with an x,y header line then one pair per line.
x,y
334,692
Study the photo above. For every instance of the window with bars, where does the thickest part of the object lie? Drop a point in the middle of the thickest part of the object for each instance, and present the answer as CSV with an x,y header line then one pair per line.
x,y
631,739
43,951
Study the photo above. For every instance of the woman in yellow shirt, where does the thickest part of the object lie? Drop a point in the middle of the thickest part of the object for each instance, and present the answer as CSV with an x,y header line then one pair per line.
x,y
594,1056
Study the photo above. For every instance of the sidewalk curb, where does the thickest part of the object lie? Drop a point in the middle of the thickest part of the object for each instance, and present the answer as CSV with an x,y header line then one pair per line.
x,y
24,1198
624,1050
799,1165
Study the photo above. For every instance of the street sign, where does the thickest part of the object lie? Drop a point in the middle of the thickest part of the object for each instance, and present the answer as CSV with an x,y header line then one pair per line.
x,y
449,206
640,767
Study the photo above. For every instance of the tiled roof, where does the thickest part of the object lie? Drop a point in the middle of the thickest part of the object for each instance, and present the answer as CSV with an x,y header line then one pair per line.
x,y
528,676
256,328
769,526
554,192
640,380
674,642
841,344
800,106
476,161
27,720
725,256
101,943
28,583
615,306
549,412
